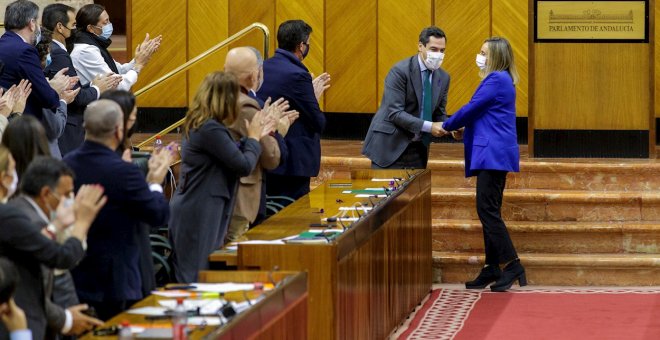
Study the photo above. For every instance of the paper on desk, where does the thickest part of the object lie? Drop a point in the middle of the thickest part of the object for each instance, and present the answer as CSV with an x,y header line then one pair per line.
x,y
153,311
382,179
345,219
205,306
222,287
365,195
171,293
354,208
207,320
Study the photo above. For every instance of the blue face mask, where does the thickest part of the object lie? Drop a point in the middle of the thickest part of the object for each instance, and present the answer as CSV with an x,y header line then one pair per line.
x,y
106,31
49,60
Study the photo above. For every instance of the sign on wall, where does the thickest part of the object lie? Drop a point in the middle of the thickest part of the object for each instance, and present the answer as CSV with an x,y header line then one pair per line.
x,y
597,21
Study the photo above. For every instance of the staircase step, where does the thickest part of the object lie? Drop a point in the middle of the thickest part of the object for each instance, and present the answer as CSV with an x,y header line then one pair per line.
x,y
559,269
553,205
553,237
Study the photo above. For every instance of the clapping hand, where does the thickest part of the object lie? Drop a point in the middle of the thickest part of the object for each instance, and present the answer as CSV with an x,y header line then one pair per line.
x,y
321,83
7,101
60,81
160,162
107,82
23,91
145,50
458,134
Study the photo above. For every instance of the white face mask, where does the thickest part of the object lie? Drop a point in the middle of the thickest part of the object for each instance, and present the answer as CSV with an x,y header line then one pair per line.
x,y
434,60
481,61
13,186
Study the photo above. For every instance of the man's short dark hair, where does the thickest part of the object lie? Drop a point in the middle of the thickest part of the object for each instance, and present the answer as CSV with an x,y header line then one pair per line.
x,y
429,32
18,14
43,172
8,279
55,13
291,33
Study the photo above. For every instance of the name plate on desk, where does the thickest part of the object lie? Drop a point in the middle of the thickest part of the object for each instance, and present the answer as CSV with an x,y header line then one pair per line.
x,y
591,21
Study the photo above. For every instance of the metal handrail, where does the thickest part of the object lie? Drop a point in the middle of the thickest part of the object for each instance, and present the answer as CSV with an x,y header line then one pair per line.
x,y
192,62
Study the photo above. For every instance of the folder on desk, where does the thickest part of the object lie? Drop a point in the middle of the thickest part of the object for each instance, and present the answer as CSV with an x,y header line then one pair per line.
x,y
314,237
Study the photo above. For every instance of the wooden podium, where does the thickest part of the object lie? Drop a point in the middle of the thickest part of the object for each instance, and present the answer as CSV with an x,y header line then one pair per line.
x,y
367,280
592,79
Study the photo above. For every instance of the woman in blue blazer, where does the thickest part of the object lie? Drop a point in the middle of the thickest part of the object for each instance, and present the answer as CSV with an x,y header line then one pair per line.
x,y
211,164
491,151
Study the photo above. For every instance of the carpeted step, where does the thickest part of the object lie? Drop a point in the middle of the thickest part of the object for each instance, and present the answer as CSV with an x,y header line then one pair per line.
x,y
553,205
553,237
559,269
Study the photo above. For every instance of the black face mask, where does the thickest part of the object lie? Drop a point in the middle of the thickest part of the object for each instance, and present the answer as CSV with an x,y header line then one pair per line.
x,y
68,42
304,55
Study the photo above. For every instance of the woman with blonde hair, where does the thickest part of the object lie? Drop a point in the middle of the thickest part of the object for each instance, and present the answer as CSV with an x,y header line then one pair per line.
x,y
212,163
491,151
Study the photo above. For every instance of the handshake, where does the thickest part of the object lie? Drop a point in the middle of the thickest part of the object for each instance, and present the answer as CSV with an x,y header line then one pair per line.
x,y
438,131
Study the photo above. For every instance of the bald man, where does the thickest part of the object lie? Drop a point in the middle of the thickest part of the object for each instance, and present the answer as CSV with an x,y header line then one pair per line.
x,y
243,63
108,278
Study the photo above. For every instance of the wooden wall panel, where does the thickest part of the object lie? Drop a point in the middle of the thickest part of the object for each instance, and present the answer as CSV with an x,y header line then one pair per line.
x,y
207,14
657,61
596,93
170,21
510,21
467,25
243,13
398,35
350,55
310,11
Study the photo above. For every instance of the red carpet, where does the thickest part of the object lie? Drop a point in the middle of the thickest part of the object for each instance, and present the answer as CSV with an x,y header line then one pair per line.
x,y
538,314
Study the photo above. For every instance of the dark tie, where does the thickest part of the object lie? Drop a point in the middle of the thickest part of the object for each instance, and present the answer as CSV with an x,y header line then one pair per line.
x,y
427,105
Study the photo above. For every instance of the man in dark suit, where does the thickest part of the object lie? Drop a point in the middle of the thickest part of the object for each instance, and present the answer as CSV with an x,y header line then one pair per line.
x,y
24,243
60,20
412,108
108,278
21,59
286,77
47,186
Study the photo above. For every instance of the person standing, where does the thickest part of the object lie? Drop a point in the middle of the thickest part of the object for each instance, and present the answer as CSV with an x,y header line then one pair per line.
x,y
412,107
285,76
211,164
491,151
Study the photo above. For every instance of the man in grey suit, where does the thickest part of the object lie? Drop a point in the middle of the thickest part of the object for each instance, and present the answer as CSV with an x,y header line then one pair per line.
x,y
412,108
47,186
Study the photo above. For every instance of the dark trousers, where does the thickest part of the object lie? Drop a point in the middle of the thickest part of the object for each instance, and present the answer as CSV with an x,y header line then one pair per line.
x,y
290,186
107,309
415,156
497,242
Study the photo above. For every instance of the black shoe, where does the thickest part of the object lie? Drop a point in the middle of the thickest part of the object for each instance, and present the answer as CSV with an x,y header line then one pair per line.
x,y
488,275
512,272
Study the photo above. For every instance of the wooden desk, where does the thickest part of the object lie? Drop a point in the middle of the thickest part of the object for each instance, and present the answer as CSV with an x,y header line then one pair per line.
x,y
282,314
363,284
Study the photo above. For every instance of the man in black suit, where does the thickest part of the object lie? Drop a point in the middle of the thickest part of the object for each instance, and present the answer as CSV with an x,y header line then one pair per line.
x,y
47,188
60,20
108,278
285,76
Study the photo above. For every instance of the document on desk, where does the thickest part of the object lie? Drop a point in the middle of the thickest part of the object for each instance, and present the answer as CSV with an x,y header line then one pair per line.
x,y
368,191
222,287
151,311
364,208
208,306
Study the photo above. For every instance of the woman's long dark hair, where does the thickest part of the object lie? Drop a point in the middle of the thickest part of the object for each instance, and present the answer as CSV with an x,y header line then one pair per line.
x,y
26,138
126,101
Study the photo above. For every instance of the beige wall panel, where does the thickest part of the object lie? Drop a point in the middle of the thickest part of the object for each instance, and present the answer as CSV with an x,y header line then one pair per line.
x,y
467,25
584,86
206,14
170,21
242,13
399,24
310,11
350,55
510,21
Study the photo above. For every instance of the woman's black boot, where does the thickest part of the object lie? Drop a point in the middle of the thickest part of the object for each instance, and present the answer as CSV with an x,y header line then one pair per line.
x,y
489,274
512,272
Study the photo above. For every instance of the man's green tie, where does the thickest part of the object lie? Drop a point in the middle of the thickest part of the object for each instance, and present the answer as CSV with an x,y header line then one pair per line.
x,y
427,105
